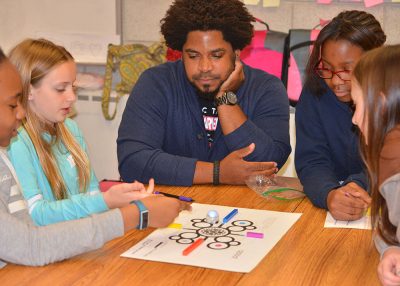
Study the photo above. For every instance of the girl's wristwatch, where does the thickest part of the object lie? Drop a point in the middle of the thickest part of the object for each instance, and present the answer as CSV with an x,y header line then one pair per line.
x,y
143,214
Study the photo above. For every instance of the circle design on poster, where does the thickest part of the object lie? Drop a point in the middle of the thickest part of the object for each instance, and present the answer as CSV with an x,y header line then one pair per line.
x,y
220,236
213,231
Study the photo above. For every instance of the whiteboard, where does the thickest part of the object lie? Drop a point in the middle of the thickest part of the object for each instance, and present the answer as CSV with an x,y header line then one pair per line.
x,y
82,23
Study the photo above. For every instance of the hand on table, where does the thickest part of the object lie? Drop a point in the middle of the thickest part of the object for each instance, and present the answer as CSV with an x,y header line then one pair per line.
x,y
163,210
348,202
234,170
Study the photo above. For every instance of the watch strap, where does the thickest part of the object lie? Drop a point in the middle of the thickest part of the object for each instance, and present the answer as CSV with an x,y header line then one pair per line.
x,y
219,100
216,173
143,214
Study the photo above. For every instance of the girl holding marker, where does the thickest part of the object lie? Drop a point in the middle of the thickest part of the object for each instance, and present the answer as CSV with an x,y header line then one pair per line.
x,y
21,241
376,94
49,153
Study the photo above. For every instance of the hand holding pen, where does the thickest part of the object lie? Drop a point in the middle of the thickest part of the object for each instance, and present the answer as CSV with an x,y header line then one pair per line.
x,y
348,202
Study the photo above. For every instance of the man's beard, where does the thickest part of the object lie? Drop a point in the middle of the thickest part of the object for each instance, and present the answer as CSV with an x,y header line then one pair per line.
x,y
206,93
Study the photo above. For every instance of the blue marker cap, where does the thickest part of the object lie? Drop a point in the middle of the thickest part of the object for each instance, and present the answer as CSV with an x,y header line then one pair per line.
x,y
185,199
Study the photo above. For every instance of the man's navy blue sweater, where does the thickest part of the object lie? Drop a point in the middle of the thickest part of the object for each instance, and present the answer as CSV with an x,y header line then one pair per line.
x,y
162,133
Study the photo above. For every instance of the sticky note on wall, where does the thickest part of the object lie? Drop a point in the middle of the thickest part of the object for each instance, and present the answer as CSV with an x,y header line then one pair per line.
x,y
371,3
251,2
271,3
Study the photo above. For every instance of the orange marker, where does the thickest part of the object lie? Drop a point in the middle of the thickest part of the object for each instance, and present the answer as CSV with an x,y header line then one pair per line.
x,y
193,246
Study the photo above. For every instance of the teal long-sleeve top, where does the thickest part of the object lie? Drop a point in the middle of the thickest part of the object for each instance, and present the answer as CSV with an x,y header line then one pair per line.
x,y
43,207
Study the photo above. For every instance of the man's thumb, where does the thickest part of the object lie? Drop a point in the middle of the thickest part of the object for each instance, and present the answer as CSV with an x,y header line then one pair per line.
x,y
246,150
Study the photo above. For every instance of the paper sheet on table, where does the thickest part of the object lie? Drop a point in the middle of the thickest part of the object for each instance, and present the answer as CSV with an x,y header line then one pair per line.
x,y
227,246
362,223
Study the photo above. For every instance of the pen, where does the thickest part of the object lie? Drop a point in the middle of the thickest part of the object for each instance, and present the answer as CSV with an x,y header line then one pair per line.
x,y
181,198
230,215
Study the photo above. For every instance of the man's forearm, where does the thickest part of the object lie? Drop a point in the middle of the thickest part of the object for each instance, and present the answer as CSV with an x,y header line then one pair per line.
x,y
203,173
231,117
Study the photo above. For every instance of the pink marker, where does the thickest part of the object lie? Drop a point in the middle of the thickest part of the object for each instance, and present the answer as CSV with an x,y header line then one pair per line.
x,y
255,234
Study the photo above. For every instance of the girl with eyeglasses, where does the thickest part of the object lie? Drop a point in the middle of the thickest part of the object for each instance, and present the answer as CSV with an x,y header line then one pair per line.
x,y
327,155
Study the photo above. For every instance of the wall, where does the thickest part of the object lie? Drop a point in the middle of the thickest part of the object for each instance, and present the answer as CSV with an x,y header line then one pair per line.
x,y
304,14
25,18
100,134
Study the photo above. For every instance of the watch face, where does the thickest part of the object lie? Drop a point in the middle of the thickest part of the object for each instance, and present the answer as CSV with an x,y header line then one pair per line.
x,y
231,97
145,219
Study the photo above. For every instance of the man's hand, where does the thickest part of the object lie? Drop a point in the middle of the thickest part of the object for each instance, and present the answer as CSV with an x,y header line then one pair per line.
x,y
235,170
348,202
235,79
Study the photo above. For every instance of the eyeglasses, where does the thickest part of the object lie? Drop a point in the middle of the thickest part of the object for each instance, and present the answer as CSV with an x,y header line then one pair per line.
x,y
325,73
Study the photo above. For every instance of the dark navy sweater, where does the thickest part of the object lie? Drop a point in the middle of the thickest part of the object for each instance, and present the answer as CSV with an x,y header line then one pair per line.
x,y
162,132
327,146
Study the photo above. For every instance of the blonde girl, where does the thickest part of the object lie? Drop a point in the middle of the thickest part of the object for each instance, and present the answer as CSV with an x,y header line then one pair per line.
x,y
49,154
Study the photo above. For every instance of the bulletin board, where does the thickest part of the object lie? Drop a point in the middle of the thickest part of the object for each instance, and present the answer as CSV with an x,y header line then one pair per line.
x,y
84,27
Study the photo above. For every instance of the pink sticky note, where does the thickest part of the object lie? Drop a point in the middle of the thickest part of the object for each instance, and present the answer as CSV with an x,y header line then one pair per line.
x,y
324,1
323,22
371,3
255,234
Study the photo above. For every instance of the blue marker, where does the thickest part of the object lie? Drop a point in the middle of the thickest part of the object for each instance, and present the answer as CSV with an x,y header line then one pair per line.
x,y
230,216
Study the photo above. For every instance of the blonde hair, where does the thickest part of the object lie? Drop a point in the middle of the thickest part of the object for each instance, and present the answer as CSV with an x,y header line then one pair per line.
x,y
378,75
34,59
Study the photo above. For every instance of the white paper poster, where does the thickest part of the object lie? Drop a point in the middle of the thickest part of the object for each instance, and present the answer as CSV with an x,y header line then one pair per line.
x,y
237,245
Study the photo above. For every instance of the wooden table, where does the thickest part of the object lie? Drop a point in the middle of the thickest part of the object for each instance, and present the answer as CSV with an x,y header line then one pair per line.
x,y
308,254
